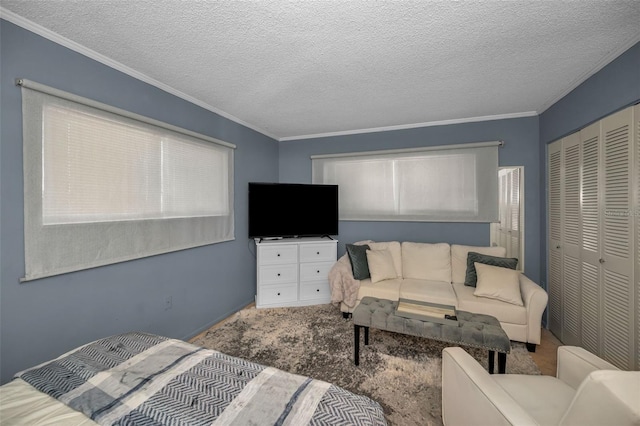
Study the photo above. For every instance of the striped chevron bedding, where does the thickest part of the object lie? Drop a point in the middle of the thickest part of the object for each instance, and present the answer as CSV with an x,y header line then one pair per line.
x,y
145,379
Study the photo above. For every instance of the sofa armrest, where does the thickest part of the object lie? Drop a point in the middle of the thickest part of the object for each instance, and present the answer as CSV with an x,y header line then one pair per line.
x,y
469,394
535,300
606,397
575,364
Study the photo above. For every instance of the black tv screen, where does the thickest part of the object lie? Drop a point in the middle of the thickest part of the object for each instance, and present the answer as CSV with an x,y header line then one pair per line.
x,y
292,210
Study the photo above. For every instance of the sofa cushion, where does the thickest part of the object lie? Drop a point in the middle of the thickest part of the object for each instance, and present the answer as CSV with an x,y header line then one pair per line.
x,y
388,289
381,265
428,291
426,261
394,248
459,259
504,312
473,257
498,283
358,257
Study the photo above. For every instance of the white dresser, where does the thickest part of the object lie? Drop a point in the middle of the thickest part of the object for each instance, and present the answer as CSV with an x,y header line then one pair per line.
x,y
294,272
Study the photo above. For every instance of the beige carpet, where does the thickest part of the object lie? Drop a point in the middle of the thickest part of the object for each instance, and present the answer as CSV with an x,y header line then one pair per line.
x,y
402,373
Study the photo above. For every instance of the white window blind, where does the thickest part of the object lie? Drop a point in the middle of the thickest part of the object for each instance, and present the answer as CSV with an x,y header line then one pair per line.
x,y
103,185
456,183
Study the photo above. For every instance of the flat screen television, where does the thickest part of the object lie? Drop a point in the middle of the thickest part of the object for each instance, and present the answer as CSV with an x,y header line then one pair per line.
x,y
292,210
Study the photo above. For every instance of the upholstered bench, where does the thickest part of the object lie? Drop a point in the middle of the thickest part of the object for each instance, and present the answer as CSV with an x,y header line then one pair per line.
x,y
474,330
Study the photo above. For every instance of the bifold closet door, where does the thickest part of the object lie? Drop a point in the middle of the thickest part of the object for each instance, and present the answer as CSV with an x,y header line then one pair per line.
x,y
591,289
618,245
554,205
571,237
594,238
636,210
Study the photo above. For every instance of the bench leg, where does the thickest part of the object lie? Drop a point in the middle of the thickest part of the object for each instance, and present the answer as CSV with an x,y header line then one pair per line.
x,y
366,335
502,362
356,344
531,347
491,361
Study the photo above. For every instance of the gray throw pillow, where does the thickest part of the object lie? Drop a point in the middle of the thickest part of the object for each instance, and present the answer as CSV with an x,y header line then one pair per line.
x,y
358,258
502,262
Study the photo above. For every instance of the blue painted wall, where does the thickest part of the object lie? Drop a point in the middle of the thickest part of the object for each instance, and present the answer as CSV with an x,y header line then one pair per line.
x,y
44,318
521,149
614,87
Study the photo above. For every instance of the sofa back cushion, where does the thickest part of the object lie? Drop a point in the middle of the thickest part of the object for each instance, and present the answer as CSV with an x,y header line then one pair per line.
x,y
425,261
394,249
459,259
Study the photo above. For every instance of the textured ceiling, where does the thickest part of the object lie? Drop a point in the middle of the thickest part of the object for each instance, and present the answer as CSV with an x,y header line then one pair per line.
x,y
298,68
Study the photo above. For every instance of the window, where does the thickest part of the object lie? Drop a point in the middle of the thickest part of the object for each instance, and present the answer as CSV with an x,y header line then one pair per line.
x,y
103,185
456,183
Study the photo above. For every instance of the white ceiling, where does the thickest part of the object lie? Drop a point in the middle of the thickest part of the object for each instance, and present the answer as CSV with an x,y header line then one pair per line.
x,y
299,68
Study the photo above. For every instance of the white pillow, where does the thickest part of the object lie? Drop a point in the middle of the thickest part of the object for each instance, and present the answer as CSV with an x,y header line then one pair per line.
x,y
381,265
396,253
498,283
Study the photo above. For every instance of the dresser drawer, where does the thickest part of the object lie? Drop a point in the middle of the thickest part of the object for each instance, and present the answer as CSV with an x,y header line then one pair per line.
x,y
318,252
278,254
315,271
315,290
275,294
274,274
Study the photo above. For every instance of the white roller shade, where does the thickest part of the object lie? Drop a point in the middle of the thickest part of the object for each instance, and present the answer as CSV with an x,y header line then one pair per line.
x,y
457,183
102,186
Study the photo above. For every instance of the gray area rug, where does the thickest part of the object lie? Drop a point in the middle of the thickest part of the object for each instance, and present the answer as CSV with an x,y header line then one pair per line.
x,y
402,373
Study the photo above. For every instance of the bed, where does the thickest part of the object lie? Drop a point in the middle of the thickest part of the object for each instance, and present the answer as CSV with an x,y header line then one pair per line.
x,y
143,379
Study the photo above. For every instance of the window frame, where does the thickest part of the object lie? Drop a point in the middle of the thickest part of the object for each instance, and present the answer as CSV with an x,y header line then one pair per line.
x,y
53,249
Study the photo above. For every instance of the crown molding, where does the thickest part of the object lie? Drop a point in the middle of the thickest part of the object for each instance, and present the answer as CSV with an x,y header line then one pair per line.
x,y
603,62
83,50
413,126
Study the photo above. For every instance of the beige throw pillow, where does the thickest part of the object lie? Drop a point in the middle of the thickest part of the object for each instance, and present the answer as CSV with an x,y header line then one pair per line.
x,y
381,265
498,283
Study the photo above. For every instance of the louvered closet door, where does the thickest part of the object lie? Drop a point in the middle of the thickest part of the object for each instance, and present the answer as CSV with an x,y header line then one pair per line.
x,y
636,127
617,254
501,235
591,290
507,232
571,236
515,238
554,204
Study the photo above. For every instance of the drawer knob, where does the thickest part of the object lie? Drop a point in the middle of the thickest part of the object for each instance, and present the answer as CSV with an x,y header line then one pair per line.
x,y
278,254
317,252
318,272
317,289
278,275
278,294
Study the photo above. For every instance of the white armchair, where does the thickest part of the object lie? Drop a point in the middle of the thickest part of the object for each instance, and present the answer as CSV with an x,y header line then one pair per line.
x,y
586,391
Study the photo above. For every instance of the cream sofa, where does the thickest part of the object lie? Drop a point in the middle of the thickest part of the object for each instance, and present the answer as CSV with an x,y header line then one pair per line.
x,y
587,391
436,273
